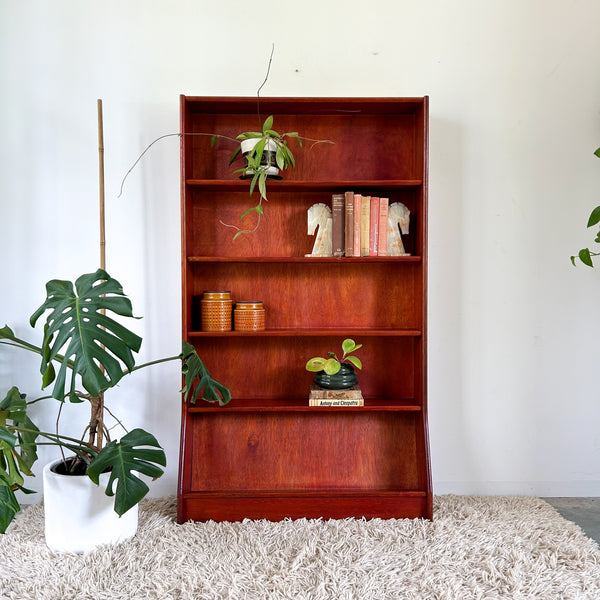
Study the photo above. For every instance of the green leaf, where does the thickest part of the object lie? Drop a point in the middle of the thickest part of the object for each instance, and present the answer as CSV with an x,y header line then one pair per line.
x,y
138,451
91,339
198,383
234,154
594,217
348,345
213,140
355,361
247,211
584,256
14,409
262,184
316,364
597,152
331,366
9,506
268,124
280,158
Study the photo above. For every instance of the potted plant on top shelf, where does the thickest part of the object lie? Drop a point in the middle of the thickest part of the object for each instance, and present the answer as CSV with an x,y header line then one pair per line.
x,y
84,352
266,153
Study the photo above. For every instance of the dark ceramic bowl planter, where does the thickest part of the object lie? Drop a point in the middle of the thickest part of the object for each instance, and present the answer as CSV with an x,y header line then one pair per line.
x,y
345,378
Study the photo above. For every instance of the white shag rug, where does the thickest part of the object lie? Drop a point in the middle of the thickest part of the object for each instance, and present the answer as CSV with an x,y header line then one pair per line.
x,y
483,548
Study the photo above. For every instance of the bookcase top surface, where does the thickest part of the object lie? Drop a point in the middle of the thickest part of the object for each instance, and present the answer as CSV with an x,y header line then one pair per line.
x,y
309,105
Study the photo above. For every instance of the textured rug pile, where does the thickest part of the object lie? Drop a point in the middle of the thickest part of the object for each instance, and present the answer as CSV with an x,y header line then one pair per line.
x,y
483,548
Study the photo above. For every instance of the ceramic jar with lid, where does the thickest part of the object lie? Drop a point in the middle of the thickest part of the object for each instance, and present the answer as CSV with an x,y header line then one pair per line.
x,y
249,316
216,311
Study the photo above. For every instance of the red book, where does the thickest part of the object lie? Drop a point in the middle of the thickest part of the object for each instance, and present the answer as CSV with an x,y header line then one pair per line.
x,y
374,227
383,231
357,205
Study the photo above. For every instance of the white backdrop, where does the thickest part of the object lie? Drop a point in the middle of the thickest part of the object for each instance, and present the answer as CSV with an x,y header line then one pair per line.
x,y
514,92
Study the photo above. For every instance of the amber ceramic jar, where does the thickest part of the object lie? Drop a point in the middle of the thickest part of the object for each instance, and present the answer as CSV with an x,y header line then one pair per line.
x,y
249,316
216,311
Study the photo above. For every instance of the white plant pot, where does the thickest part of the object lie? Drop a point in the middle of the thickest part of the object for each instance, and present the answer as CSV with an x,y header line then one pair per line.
x,y
271,146
78,515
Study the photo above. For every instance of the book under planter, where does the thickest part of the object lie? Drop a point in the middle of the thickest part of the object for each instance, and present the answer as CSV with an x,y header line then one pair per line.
x,y
79,516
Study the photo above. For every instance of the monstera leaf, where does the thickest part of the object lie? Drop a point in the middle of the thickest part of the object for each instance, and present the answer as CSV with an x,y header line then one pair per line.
x,y
198,382
17,453
88,339
124,458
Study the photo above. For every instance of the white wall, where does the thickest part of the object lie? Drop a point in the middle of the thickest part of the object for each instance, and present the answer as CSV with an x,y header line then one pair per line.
x,y
514,88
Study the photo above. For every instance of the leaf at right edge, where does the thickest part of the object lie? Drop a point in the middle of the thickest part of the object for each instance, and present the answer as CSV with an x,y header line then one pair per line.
x,y
585,258
594,217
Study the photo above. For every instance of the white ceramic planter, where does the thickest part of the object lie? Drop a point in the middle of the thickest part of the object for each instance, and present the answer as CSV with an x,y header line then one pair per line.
x,y
248,145
78,515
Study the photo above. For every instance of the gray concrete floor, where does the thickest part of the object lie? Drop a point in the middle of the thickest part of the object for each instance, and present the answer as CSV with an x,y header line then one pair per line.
x,y
583,511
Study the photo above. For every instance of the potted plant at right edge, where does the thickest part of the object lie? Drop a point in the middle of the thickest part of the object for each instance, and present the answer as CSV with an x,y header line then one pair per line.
x,y
585,255
333,373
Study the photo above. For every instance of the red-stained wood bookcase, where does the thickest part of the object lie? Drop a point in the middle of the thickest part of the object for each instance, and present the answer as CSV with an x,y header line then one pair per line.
x,y
267,454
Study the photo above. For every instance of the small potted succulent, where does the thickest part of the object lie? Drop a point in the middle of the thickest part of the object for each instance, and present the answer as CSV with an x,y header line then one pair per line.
x,y
333,373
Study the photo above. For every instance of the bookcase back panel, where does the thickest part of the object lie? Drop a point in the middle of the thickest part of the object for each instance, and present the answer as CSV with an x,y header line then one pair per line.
x,y
365,146
279,452
272,367
283,229
300,295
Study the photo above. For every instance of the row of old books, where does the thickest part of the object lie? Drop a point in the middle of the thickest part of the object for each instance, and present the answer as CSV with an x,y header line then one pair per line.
x,y
359,225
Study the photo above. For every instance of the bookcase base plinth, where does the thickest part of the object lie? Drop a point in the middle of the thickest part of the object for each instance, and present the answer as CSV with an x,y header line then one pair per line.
x,y
213,506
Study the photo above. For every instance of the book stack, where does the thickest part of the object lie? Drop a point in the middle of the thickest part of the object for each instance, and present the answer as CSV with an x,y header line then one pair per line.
x,y
360,225
321,397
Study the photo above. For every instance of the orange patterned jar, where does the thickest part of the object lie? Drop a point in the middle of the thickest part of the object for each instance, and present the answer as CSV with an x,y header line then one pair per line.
x,y
249,316
216,311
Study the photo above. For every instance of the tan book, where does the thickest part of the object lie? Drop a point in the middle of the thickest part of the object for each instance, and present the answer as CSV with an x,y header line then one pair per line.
x,y
365,225
349,393
328,402
383,218
349,228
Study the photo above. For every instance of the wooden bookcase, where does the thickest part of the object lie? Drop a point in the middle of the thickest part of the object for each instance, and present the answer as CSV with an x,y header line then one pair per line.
x,y
267,454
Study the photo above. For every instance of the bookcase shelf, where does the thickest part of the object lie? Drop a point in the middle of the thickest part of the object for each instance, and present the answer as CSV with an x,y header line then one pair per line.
x,y
300,405
267,454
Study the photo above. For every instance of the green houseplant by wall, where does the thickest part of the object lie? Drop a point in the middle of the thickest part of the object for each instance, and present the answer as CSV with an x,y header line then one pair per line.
x,y
83,345
585,255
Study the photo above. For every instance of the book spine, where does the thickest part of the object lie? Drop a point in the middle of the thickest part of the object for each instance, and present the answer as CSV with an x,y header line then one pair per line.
x,y
357,211
374,227
383,218
365,228
349,234
338,222
333,402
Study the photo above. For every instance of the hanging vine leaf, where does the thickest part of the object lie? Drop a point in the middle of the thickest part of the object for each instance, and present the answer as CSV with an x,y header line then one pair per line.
x,y
88,338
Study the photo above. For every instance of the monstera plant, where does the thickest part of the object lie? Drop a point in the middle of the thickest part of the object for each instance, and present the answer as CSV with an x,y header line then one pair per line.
x,y
85,351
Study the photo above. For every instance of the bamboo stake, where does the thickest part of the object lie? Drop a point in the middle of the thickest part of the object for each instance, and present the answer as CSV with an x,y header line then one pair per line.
x,y
101,167
97,424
